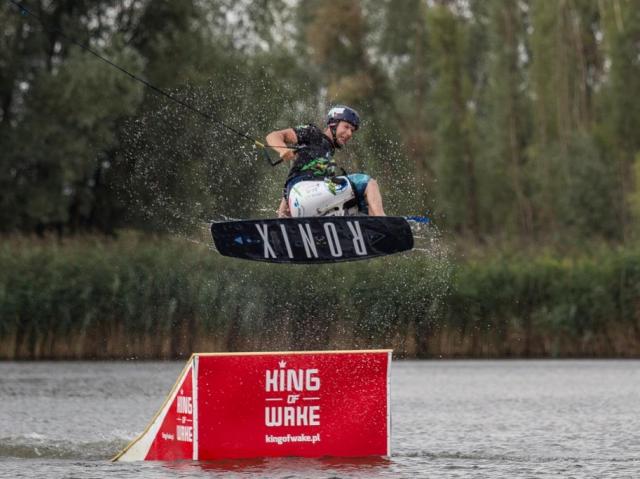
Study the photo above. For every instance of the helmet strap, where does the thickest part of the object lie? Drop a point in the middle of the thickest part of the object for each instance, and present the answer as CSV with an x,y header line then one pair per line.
x,y
333,127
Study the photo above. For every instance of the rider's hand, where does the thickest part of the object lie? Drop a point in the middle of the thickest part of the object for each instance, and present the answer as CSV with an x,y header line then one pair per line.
x,y
287,154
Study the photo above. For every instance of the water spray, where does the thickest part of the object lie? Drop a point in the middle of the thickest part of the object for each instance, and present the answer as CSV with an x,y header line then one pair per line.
x,y
267,152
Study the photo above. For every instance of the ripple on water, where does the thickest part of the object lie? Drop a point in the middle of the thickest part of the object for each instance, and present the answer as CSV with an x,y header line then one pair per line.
x,y
498,419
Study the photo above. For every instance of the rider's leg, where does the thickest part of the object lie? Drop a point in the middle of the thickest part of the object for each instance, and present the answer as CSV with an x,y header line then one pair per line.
x,y
374,198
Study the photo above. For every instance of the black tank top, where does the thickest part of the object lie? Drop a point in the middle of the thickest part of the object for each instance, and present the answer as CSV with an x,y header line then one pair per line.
x,y
315,160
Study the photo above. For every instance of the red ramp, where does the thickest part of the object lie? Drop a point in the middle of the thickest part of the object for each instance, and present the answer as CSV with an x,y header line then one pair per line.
x,y
244,405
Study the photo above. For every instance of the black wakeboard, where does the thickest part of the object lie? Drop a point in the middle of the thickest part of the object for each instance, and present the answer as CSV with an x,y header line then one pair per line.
x,y
328,239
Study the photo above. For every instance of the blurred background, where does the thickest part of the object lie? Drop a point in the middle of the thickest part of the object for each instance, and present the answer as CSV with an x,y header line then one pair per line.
x,y
512,124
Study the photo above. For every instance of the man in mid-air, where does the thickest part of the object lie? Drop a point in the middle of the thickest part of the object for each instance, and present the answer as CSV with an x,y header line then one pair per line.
x,y
313,158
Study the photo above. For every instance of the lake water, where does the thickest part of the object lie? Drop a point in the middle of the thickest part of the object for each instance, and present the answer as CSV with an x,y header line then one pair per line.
x,y
450,419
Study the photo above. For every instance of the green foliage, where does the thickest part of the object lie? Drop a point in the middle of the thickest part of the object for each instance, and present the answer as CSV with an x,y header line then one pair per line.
x,y
53,156
511,120
455,167
149,297
132,296
562,307
589,189
634,199
506,132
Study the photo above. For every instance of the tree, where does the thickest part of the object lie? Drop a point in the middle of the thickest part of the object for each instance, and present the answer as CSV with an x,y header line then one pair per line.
x,y
506,125
405,56
452,96
563,80
620,121
58,106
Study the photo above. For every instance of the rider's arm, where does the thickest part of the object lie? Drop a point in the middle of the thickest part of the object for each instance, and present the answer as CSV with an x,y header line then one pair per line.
x,y
279,139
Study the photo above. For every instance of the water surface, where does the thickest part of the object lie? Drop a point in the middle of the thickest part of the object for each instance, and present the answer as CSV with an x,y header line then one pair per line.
x,y
449,419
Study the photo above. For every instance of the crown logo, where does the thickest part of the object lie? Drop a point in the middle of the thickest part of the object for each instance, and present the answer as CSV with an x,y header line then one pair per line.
x,y
283,364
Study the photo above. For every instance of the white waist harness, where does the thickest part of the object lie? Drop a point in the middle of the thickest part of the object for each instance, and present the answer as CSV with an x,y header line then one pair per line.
x,y
322,198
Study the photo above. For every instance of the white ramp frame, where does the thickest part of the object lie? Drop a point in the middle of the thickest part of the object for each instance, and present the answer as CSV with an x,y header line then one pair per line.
x,y
194,395
389,403
138,449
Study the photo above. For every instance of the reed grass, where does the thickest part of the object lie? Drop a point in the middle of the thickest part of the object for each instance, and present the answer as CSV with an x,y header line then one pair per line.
x,y
149,297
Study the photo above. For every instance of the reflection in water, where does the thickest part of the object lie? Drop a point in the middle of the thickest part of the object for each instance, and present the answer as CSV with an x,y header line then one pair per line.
x,y
294,466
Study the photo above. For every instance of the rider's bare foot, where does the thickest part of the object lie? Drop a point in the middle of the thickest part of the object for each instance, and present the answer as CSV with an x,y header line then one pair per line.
x,y
283,209
374,199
